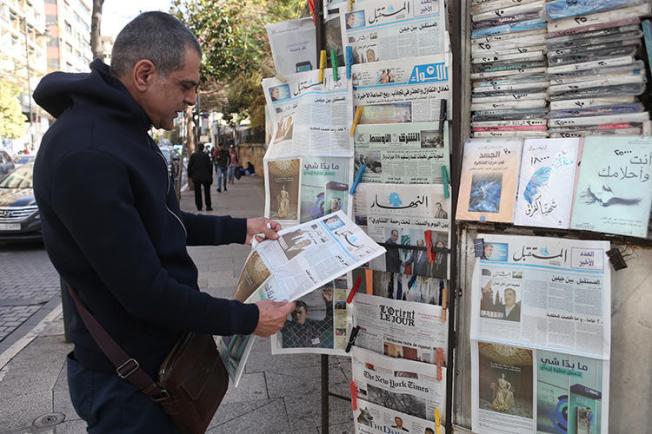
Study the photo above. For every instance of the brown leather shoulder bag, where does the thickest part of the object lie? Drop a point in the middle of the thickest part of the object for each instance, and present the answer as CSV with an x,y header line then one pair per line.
x,y
192,378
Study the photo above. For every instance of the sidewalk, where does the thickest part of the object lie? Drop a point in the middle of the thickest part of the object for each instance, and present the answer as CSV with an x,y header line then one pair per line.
x,y
277,394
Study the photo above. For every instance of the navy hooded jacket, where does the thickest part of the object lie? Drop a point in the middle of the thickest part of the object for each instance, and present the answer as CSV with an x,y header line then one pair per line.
x,y
113,228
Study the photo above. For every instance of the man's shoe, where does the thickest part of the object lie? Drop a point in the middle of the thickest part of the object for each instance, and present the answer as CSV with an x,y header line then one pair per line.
x,y
219,190
209,209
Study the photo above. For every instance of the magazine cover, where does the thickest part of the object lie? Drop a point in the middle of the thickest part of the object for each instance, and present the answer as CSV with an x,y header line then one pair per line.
x,y
547,171
614,190
488,187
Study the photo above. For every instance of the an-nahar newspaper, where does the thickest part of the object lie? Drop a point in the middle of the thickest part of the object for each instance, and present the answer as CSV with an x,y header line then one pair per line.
x,y
303,258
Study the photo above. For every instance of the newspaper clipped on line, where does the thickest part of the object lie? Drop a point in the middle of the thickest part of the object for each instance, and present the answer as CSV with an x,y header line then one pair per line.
x,y
303,258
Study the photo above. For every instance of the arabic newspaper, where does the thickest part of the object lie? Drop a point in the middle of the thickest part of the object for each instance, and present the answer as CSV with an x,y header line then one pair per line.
x,y
401,329
392,29
407,240
407,153
304,258
312,254
310,117
517,389
293,44
319,323
402,385
402,90
544,293
399,286
408,209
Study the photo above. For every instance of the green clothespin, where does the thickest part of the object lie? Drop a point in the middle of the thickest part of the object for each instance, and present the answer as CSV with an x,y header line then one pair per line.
x,y
334,64
445,180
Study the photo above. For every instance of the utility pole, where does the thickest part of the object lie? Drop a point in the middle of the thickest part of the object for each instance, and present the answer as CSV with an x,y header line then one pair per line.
x,y
29,84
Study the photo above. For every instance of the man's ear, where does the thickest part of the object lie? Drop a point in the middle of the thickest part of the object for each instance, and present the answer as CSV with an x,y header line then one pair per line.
x,y
143,74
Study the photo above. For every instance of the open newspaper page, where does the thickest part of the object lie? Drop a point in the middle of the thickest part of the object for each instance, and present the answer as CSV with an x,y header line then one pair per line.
x,y
373,419
517,389
401,329
408,153
402,90
318,324
293,44
391,29
409,387
544,293
312,254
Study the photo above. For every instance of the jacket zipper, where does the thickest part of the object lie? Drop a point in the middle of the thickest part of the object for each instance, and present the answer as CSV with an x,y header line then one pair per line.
x,y
165,167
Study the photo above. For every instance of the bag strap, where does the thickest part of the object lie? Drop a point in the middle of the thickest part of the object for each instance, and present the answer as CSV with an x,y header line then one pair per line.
x,y
126,367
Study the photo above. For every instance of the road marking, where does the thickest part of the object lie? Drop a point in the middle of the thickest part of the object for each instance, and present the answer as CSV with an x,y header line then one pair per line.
x,y
21,343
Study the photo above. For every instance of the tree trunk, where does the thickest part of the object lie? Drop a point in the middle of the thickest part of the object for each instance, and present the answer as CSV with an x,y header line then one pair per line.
x,y
96,36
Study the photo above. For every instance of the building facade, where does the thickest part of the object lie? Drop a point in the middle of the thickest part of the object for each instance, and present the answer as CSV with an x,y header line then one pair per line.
x,y
69,30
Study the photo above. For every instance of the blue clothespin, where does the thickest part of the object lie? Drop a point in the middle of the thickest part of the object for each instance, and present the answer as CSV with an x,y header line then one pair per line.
x,y
358,178
349,61
446,181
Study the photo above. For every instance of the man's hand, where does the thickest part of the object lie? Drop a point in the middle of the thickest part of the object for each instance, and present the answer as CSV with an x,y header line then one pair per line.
x,y
262,228
272,316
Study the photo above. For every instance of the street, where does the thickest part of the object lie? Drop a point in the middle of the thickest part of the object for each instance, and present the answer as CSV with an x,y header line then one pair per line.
x,y
28,281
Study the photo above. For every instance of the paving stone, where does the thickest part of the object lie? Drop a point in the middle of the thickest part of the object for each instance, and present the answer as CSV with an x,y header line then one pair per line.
x,y
306,411
291,380
269,419
252,387
17,412
71,427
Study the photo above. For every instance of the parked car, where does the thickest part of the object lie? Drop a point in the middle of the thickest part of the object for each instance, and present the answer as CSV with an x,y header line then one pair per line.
x,y
6,164
19,215
24,159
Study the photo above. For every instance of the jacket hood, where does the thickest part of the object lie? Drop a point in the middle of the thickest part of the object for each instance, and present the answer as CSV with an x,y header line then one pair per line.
x,y
60,91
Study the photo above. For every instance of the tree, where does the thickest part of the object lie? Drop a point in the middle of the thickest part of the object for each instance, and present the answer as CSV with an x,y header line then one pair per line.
x,y
96,24
236,53
12,120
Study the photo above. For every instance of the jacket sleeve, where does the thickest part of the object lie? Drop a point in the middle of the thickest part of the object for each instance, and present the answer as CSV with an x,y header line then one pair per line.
x,y
92,197
206,230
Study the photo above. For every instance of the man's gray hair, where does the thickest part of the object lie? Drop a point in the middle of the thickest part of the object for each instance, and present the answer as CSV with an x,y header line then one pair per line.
x,y
156,36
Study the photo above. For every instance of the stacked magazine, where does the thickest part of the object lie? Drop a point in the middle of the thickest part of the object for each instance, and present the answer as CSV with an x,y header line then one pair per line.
x,y
508,59
595,77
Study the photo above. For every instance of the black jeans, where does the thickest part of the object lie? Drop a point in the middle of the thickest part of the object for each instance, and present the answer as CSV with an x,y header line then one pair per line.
x,y
111,405
207,194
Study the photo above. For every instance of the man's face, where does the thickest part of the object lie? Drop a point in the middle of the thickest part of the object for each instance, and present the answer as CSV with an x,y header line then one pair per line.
x,y
510,298
300,315
438,206
171,93
276,93
488,250
398,422
420,243
394,236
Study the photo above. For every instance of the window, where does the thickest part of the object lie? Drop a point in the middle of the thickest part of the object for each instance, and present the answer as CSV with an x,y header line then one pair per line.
x,y
68,48
68,27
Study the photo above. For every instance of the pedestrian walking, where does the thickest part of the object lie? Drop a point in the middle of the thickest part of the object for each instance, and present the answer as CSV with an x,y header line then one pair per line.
x,y
200,170
234,162
114,231
221,161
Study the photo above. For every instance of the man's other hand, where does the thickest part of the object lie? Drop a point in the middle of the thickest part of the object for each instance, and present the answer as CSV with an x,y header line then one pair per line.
x,y
272,316
262,228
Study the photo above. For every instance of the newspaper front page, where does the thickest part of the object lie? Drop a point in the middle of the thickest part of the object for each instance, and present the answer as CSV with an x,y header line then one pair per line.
x,y
402,90
373,419
400,329
519,390
400,385
319,323
310,117
407,153
391,29
544,293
